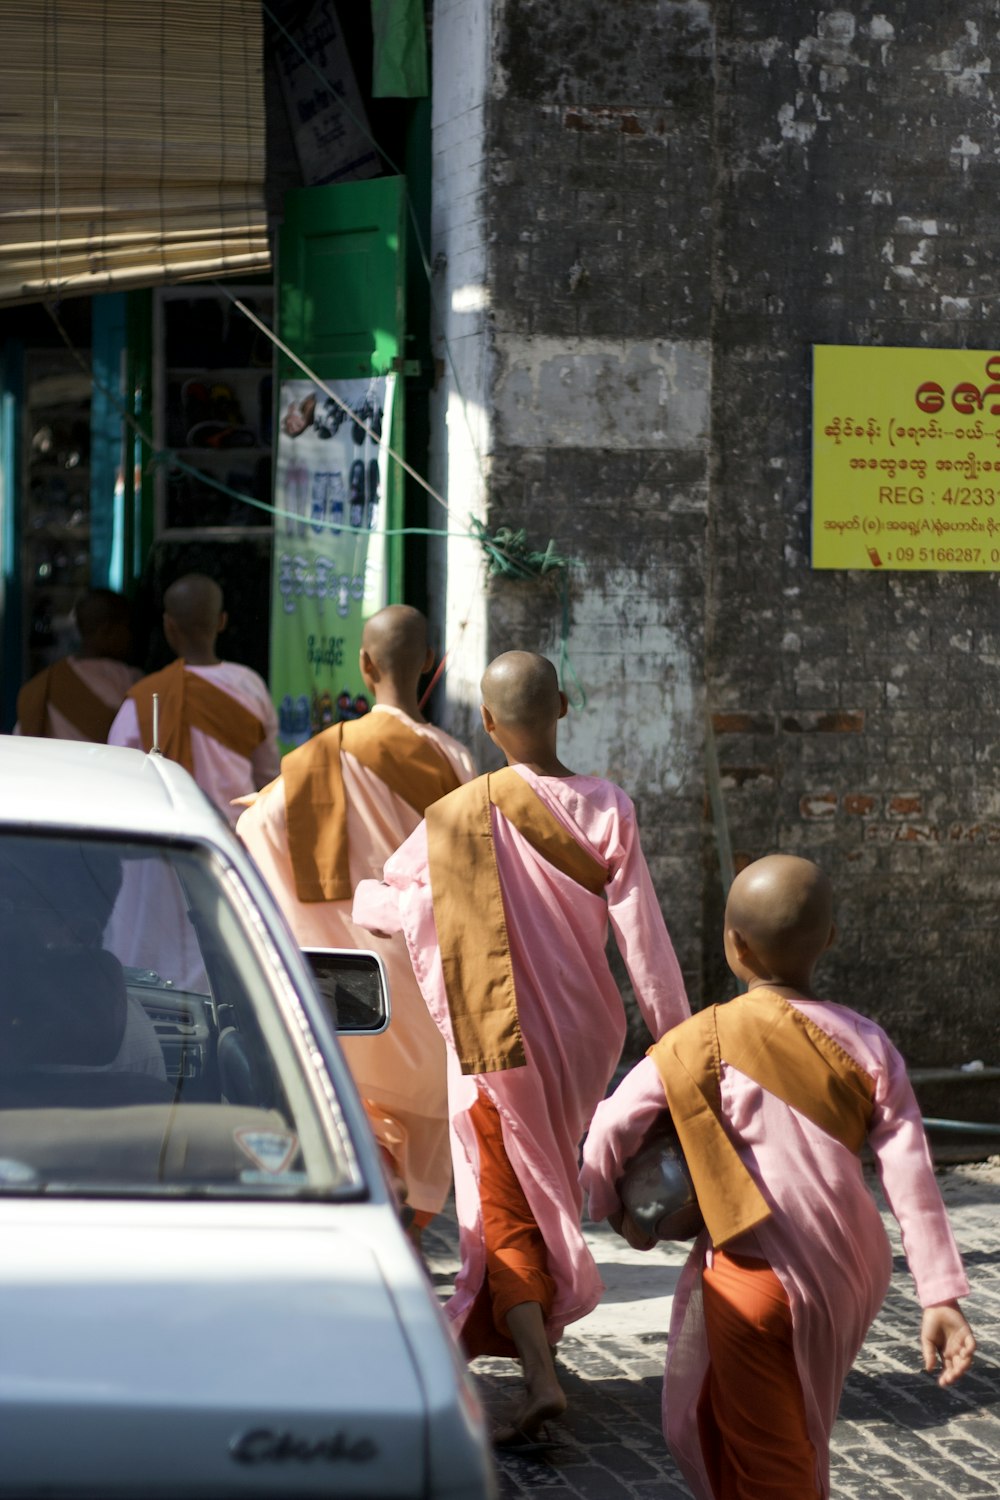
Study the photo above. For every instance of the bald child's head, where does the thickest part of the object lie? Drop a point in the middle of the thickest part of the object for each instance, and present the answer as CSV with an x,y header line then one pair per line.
x,y
194,602
781,908
396,639
193,617
394,655
521,691
522,706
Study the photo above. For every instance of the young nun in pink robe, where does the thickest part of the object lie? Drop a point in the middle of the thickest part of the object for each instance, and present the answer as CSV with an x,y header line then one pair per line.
x,y
77,697
193,618
170,946
400,1075
823,1237
569,1013
222,773
105,680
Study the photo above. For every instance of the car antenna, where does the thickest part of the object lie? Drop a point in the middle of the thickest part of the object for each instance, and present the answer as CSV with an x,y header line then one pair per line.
x,y
154,748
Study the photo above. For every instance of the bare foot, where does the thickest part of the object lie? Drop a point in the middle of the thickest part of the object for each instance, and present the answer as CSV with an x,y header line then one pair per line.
x,y
544,1396
529,1423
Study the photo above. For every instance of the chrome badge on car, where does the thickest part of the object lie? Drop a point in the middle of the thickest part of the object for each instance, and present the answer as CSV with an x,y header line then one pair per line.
x,y
262,1445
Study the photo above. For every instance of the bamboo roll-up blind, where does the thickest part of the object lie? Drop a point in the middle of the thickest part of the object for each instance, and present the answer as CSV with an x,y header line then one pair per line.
x,y
131,144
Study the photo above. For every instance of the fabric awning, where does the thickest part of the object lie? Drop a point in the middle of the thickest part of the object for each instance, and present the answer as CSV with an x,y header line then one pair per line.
x,y
131,144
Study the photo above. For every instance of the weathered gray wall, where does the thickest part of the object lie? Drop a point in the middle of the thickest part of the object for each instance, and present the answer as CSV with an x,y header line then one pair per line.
x,y
856,166
601,306
680,200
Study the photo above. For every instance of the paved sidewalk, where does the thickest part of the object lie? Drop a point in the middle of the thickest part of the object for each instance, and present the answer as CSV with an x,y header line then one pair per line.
x,y
899,1436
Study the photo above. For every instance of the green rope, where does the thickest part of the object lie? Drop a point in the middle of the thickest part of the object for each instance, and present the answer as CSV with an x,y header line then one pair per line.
x,y
507,551
169,456
509,556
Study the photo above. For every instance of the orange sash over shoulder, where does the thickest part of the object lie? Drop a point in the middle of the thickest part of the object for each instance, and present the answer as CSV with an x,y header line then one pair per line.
x,y
188,702
410,764
791,1057
469,911
61,688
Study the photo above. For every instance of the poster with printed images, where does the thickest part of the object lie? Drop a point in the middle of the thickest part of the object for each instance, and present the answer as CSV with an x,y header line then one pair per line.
x,y
906,459
329,549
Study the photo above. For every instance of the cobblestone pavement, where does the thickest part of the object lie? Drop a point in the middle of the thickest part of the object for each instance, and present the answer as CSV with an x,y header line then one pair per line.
x,y
898,1435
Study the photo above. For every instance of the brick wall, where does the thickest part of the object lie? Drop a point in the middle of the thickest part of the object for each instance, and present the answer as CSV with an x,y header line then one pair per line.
x,y
856,713
678,201
600,294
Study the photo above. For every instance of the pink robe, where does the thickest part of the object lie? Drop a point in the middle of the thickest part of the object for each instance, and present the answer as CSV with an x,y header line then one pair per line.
x,y
401,1075
106,678
221,773
825,1239
570,1010
168,946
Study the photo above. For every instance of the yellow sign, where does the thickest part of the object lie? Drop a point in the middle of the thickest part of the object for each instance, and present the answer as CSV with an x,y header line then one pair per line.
x,y
906,458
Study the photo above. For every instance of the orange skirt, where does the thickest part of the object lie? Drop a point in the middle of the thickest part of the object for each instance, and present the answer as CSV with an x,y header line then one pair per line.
x,y
751,1415
516,1262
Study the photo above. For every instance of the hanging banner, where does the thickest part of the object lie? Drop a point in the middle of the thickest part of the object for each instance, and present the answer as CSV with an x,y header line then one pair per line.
x,y
906,459
329,550
326,114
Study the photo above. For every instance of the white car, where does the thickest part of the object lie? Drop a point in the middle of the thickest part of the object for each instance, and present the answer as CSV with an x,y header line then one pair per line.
x,y
205,1287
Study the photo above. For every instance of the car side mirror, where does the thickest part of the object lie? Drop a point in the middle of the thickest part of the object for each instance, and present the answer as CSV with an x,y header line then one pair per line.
x,y
353,987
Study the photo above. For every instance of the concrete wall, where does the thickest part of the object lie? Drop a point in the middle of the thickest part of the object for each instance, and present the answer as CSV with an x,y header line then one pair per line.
x,y
677,201
856,161
602,394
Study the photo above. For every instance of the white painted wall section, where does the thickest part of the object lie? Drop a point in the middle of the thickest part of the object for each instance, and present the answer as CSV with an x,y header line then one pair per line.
x,y
634,646
643,685
601,393
460,413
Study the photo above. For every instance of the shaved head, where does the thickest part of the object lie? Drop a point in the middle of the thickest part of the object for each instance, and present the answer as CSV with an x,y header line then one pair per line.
x,y
396,641
783,908
521,690
195,602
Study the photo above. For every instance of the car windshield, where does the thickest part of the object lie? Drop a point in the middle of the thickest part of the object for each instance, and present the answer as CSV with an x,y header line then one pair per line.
x,y
143,1049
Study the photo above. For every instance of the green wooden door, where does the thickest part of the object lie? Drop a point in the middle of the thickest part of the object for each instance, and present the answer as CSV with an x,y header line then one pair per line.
x,y
341,278
342,304
341,307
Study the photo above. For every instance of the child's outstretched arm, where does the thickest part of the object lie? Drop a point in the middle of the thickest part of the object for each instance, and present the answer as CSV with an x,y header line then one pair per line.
x,y
945,1332
376,908
904,1162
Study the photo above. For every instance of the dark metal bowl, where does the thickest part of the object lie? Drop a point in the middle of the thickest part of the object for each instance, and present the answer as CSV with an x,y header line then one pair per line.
x,y
658,1193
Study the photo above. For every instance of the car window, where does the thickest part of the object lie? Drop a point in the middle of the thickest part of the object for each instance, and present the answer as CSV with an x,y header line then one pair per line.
x,y
143,1048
